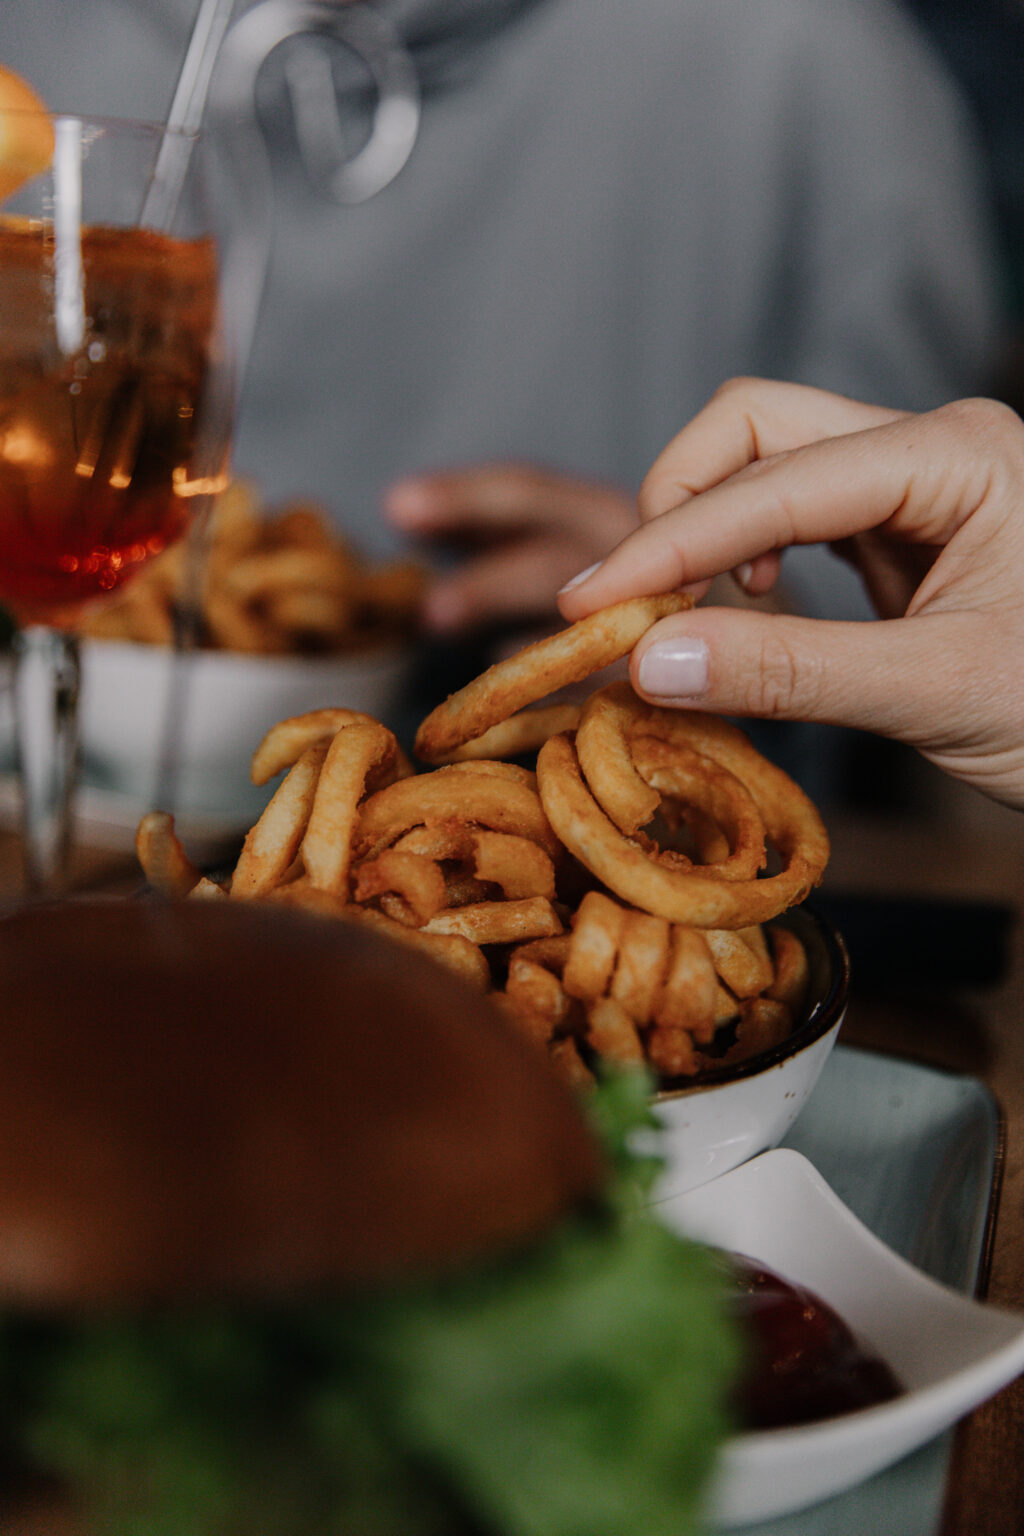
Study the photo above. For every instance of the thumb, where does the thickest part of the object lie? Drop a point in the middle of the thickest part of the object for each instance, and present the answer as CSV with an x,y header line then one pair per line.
x,y
899,678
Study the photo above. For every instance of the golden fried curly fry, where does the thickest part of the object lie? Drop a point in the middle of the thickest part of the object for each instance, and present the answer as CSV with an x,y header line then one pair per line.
x,y
416,879
538,670
764,1023
520,734
355,750
454,950
791,971
517,864
671,1053
683,896
597,929
164,861
689,994
271,845
499,922
537,991
569,1064
641,965
285,742
432,799
741,962
612,1032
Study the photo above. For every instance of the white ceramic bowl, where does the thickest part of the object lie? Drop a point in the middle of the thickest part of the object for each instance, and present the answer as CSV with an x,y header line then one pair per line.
x,y
734,1113
228,703
949,1352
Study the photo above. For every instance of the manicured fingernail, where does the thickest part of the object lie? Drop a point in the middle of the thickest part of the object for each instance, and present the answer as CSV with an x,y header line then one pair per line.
x,y
744,573
581,577
675,670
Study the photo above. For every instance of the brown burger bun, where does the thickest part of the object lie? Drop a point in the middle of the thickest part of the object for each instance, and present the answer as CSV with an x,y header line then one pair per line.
x,y
208,1098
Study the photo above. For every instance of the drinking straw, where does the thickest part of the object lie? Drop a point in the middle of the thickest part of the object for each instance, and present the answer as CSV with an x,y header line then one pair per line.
x,y
186,112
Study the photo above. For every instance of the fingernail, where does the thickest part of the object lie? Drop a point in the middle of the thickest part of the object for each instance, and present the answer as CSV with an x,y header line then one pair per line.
x,y
744,572
581,577
675,670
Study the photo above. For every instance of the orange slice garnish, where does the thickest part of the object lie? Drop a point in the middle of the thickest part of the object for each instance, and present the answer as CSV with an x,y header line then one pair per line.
x,y
26,133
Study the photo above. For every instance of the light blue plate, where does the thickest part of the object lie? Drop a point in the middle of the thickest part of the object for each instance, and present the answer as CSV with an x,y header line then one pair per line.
x,y
914,1152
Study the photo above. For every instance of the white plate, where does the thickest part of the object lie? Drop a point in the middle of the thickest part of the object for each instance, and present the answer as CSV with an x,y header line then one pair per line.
x,y
949,1352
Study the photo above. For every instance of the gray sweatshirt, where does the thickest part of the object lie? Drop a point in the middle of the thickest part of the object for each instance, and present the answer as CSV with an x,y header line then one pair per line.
x,y
612,206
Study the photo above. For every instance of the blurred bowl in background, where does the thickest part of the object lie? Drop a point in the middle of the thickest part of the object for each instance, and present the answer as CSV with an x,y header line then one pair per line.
x,y
731,1114
228,701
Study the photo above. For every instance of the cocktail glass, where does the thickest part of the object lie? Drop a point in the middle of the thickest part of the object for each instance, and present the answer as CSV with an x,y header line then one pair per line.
x,y
120,337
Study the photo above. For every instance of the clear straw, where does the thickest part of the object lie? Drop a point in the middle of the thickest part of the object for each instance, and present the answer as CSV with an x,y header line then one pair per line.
x,y
186,112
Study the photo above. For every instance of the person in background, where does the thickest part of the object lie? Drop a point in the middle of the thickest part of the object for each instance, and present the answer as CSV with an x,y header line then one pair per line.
x,y
983,46
611,206
927,508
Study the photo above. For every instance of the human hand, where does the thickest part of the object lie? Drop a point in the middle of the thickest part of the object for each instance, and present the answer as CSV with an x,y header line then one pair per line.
x,y
522,532
930,508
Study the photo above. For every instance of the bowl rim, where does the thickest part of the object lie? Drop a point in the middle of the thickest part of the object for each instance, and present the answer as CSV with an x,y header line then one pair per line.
x,y
826,1014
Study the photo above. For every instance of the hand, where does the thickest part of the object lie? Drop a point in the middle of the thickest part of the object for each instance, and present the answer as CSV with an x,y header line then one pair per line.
x,y
522,532
930,508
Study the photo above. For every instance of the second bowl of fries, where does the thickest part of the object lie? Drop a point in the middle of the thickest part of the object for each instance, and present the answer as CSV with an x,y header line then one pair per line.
x,y
288,614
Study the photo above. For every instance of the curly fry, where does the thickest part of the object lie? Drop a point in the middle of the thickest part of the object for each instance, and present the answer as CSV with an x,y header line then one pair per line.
x,y
597,930
612,1032
435,798
286,741
683,896
520,867
271,845
538,670
791,971
690,991
499,922
417,880
164,861
520,734
327,843
641,966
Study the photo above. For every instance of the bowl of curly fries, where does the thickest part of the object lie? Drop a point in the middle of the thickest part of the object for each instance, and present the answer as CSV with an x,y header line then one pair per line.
x,y
286,614
629,882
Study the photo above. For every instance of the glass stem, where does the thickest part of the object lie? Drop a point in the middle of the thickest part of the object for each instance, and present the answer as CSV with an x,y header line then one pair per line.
x,y
46,685
186,618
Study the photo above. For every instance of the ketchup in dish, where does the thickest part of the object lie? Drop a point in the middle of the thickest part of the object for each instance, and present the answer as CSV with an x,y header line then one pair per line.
x,y
804,1363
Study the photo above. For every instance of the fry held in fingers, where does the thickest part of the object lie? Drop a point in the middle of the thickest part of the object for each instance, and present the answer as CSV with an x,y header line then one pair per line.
x,y
532,674
619,899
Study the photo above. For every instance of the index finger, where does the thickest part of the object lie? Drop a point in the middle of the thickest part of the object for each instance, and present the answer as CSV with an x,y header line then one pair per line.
x,y
745,421
907,470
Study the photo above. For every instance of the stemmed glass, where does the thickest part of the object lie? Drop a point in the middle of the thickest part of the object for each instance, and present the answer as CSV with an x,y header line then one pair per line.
x,y
125,294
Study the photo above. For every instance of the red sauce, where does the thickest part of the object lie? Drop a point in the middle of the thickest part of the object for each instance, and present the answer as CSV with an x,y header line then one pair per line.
x,y
804,1362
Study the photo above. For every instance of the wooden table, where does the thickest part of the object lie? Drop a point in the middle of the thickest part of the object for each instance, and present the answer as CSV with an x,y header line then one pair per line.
x,y
962,848
953,845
